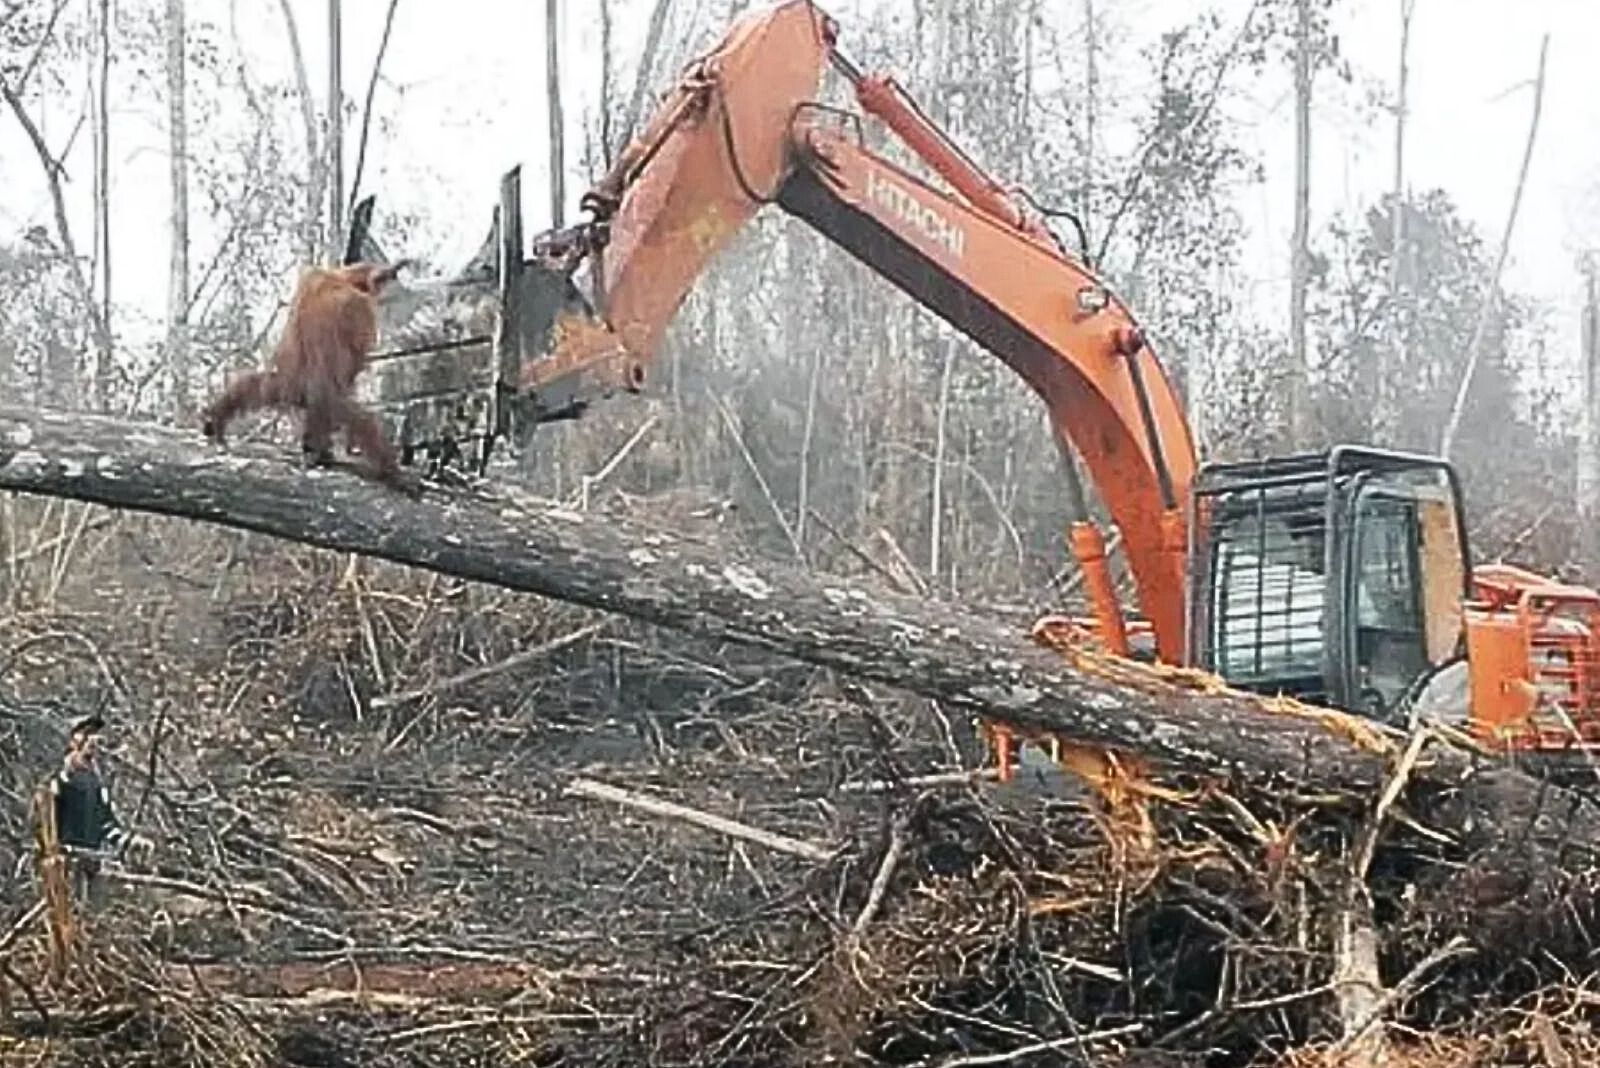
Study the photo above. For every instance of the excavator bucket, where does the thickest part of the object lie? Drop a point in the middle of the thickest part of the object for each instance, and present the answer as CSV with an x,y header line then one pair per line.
x,y
511,341
716,150
443,379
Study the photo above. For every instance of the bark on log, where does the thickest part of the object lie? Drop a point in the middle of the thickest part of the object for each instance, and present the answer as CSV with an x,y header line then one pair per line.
x,y
962,657
965,659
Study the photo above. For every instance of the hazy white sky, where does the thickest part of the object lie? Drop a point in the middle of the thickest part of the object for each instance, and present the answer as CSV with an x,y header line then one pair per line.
x,y
472,73
1472,66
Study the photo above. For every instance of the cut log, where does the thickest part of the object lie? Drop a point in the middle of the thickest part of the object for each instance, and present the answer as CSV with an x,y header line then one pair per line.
x,y
655,806
966,659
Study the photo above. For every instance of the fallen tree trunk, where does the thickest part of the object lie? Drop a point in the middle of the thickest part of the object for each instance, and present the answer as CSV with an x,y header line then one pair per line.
x,y
965,659
972,661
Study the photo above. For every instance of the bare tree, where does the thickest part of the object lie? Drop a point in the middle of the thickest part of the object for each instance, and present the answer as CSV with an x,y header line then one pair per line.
x,y
642,78
607,78
795,329
1300,265
1588,465
1491,289
310,225
941,435
1091,109
366,108
335,128
552,60
1383,401
102,196
178,150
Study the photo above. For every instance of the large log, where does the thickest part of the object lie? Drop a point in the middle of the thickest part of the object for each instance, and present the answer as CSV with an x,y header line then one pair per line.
x,y
1515,867
971,661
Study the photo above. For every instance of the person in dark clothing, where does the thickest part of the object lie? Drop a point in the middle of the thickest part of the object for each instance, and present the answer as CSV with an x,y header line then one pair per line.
x,y
86,824
84,817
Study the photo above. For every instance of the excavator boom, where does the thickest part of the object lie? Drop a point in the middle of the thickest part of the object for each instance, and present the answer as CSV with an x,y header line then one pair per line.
x,y
1047,318
678,193
742,129
1340,578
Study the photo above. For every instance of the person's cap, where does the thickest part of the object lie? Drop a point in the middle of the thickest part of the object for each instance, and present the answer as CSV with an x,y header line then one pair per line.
x,y
88,725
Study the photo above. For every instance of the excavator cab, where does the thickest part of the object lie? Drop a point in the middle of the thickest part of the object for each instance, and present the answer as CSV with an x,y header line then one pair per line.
x,y
1335,577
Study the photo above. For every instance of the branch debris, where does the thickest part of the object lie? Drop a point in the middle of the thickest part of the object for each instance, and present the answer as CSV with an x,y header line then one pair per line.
x,y
386,834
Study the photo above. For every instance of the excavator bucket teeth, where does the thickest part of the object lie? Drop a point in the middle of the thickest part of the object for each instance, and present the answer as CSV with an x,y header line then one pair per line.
x,y
448,380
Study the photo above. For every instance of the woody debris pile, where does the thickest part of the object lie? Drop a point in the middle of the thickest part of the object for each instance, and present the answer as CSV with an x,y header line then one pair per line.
x,y
385,816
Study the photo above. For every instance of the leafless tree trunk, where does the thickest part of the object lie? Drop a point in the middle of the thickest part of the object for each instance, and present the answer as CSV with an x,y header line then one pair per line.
x,y
178,150
642,79
1091,106
1300,257
102,194
1491,290
366,108
607,78
335,129
1384,415
310,226
941,425
1030,31
798,268
1199,370
1588,465
552,60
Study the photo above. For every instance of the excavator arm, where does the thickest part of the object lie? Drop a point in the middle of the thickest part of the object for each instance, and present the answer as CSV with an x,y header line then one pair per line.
x,y
512,341
742,130
1045,316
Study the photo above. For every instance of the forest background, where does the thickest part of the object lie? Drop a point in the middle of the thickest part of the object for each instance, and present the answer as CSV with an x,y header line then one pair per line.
x,y
172,166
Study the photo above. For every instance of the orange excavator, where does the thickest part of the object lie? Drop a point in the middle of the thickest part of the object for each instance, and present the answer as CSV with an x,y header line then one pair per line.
x,y
1341,578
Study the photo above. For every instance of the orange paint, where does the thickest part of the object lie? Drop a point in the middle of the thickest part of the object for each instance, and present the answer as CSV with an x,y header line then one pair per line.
x,y
1533,645
1089,546
741,123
